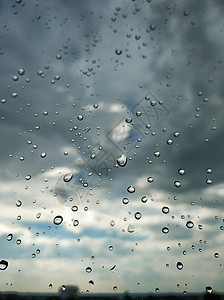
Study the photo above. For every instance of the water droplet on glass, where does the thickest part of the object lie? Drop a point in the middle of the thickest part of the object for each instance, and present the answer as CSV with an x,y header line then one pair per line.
x,y
28,177
144,199
88,269
75,223
208,181
208,289
67,177
181,171
157,290
180,265
18,203
165,210
63,288
50,286
150,179
80,117
113,268
43,155
131,228
190,224
156,153
21,71
209,171
118,51
112,223
165,230
138,215
110,248
91,283
176,134
186,13
128,120
58,56
15,78
74,208
169,142
115,288
177,184
131,189
58,220
125,201
122,160
152,27
9,237
216,255
3,265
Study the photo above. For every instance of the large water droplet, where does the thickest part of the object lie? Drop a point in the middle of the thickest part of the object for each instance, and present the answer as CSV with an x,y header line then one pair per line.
x,y
131,228
165,210
3,265
88,269
58,220
122,160
125,201
165,230
180,265
138,215
190,224
208,289
131,189
67,177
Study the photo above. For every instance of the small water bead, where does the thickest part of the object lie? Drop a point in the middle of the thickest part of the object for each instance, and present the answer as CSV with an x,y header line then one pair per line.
x,y
63,287
144,199
216,255
209,171
68,177
28,177
150,179
122,160
111,248
179,265
18,203
156,153
15,78
169,142
112,223
177,183
131,189
131,228
186,13
74,208
128,120
88,269
115,288
165,230
75,223
50,286
18,242
118,51
209,289
165,210
9,237
176,134
33,255
80,117
113,268
91,283
190,224
152,27
125,201
3,265
157,290
43,155
181,171
21,72
208,181
22,158
138,215
58,220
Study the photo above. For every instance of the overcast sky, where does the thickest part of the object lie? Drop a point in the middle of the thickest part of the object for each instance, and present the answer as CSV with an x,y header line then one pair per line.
x,y
112,94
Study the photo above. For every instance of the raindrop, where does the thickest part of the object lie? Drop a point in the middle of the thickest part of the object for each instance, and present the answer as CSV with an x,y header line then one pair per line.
x,y
144,199
63,287
88,269
110,248
113,268
115,288
15,78
152,27
150,179
67,177
138,215
165,210
9,237
131,189
21,71
208,289
190,224
112,223
43,155
180,265
50,286
118,51
208,181
74,208
131,228
58,220
181,171
91,283
58,56
157,290
128,120
216,255
80,117
28,177
186,13
125,201
122,160
177,184
169,142
176,134
75,223
209,171
18,203
156,153
22,158
3,265
165,230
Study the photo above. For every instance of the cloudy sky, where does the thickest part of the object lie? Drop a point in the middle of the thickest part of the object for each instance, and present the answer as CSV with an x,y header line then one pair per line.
x,y
101,101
